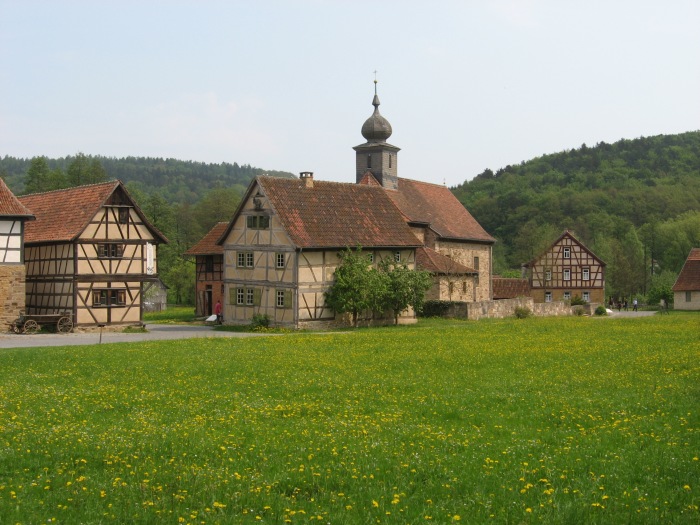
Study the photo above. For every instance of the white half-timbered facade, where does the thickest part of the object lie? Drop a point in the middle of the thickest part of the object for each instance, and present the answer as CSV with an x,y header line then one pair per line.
x,y
565,270
91,252
282,247
13,216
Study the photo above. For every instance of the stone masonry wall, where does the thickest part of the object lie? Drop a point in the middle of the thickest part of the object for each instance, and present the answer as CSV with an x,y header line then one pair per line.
x,y
506,308
12,294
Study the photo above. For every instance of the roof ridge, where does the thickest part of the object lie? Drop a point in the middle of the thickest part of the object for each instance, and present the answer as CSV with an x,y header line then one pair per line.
x,y
110,182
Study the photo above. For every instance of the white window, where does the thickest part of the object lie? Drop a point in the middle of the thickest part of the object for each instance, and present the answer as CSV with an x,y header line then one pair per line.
x,y
586,296
280,260
585,274
244,260
239,295
249,297
548,275
548,297
567,252
567,274
567,296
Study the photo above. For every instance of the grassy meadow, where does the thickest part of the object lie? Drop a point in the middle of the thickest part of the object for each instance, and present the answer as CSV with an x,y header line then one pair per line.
x,y
571,420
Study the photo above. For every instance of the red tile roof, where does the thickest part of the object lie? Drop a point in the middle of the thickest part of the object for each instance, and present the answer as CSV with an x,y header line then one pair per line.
x,y
434,262
336,215
10,205
62,215
689,278
510,288
437,206
208,246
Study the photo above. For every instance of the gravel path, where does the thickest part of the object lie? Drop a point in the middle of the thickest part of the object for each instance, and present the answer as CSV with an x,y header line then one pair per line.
x,y
156,332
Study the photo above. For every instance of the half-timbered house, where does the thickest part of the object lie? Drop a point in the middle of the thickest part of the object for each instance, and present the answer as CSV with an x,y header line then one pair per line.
x,y
209,273
686,289
90,252
284,244
565,270
13,215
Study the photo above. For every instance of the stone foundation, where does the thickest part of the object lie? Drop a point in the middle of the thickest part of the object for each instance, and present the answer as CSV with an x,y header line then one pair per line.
x,y
12,293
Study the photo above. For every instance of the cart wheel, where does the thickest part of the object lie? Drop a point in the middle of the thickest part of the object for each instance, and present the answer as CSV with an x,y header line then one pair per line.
x,y
64,325
16,328
31,326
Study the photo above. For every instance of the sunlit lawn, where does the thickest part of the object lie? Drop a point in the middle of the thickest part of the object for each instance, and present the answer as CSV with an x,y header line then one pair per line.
x,y
576,420
172,314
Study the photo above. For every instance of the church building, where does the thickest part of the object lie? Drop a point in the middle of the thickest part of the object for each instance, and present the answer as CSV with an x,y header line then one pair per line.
x,y
282,245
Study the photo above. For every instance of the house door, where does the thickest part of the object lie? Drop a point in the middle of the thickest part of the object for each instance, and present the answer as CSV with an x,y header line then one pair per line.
x,y
207,301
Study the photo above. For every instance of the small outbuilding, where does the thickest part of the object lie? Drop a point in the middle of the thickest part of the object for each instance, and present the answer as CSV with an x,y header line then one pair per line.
x,y
686,290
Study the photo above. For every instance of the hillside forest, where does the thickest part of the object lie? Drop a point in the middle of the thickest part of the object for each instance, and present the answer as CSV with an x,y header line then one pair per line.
x,y
634,203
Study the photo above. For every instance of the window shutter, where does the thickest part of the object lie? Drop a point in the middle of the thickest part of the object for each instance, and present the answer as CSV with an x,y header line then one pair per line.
x,y
257,295
287,298
232,295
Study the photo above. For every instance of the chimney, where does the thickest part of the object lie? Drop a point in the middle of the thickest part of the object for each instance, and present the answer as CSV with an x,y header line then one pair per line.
x,y
308,178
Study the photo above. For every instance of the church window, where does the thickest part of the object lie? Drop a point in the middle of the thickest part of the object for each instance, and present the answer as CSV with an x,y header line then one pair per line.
x,y
369,160
390,160
476,263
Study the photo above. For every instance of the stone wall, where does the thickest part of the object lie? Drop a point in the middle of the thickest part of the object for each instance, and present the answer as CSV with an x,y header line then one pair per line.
x,y
506,308
12,293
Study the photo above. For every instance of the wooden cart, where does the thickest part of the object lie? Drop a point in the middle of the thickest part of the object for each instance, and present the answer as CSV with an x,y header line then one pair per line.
x,y
31,323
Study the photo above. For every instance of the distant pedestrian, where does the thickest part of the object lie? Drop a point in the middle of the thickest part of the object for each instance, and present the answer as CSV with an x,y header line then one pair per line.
x,y
634,304
619,306
626,306
217,311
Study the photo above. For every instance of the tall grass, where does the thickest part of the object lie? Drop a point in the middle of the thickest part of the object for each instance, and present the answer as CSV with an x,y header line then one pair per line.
x,y
575,420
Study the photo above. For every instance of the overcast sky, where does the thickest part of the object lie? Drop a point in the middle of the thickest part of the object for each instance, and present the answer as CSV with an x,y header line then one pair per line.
x,y
287,85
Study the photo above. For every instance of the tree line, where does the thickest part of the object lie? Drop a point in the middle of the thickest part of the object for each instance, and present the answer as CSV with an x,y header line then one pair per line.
x,y
634,203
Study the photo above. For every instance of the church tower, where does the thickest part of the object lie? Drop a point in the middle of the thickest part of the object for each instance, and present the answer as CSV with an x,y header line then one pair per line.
x,y
376,155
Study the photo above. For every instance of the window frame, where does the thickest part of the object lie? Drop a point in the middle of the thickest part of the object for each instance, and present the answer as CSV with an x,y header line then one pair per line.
x,y
566,274
567,296
547,274
108,297
110,250
280,260
397,256
688,296
586,296
258,222
245,260
566,252
585,273
123,215
548,297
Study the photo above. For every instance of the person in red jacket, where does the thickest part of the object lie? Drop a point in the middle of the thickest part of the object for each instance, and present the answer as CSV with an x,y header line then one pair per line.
x,y
217,311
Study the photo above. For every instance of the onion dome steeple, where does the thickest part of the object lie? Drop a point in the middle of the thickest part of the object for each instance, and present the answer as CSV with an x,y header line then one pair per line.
x,y
376,128
376,155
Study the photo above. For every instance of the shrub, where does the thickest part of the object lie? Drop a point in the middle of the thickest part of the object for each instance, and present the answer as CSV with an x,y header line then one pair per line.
x,y
522,312
576,300
601,310
578,311
260,321
435,308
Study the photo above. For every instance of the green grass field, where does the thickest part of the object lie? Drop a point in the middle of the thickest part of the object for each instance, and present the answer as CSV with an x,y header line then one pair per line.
x,y
571,420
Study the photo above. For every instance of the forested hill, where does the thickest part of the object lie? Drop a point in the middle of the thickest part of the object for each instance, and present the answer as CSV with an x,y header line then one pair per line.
x,y
177,181
640,197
